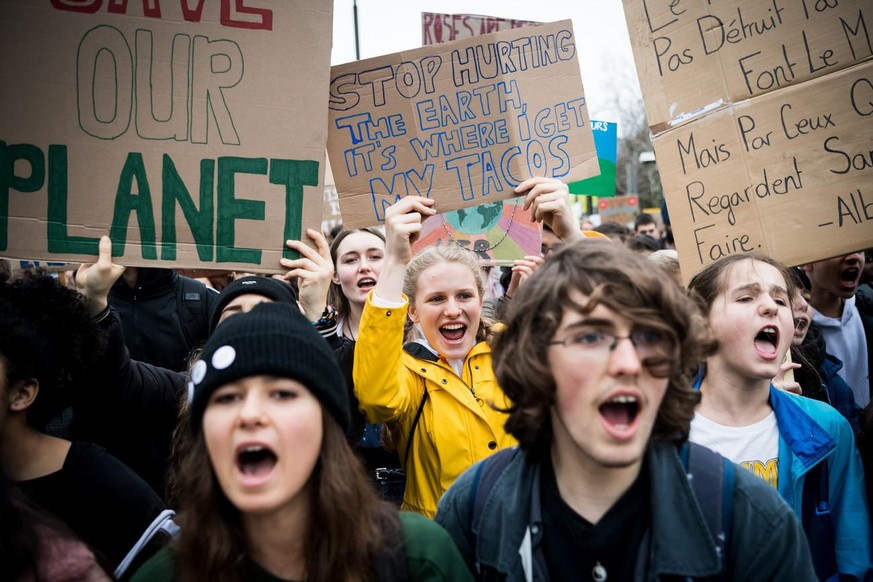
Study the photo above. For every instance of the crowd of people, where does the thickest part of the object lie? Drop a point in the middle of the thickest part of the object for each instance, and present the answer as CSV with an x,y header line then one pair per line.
x,y
374,414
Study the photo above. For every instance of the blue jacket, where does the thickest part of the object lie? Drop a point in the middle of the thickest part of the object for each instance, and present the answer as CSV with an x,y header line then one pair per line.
x,y
839,394
810,433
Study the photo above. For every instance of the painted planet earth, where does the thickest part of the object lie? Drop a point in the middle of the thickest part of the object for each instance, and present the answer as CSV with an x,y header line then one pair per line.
x,y
477,219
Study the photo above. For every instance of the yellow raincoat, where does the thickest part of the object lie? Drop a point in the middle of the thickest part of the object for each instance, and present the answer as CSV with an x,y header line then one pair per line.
x,y
458,425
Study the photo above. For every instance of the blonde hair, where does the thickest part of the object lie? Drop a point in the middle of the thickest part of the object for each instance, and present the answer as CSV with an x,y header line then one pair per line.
x,y
446,253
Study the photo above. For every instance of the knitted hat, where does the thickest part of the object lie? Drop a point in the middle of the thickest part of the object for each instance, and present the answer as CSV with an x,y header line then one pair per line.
x,y
272,339
268,287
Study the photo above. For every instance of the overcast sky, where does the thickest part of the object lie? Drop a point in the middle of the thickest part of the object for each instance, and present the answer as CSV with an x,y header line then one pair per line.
x,y
605,56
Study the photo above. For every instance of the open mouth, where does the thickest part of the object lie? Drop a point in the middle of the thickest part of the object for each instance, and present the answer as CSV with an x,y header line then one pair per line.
x,y
620,411
800,324
255,461
767,340
453,331
366,283
849,277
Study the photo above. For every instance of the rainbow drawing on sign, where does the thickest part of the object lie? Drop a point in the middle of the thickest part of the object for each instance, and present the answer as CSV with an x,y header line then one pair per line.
x,y
498,232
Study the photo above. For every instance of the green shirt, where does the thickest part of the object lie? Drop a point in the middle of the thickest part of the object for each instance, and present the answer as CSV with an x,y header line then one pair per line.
x,y
431,556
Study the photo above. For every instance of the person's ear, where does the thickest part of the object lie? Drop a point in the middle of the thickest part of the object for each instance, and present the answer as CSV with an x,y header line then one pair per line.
x,y
23,395
413,314
335,278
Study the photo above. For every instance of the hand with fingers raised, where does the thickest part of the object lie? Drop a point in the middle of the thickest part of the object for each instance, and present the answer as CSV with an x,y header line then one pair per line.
x,y
313,269
402,227
784,380
522,269
549,202
94,280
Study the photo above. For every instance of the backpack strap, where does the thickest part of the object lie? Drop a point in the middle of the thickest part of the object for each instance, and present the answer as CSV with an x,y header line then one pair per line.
x,y
162,529
712,479
485,477
413,427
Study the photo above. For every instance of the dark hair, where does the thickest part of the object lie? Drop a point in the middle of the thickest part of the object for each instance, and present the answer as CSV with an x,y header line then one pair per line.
x,y
335,230
800,279
643,242
47,334
335,295
642,219
610,275
612,229
709,282
349,524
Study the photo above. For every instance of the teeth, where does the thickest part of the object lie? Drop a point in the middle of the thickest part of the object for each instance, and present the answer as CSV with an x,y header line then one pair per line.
x,y
453,326
769,331
624,400
253,449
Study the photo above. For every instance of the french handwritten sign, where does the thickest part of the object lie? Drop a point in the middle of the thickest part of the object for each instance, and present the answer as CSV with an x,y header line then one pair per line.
x,y
763,121
192,133
462,122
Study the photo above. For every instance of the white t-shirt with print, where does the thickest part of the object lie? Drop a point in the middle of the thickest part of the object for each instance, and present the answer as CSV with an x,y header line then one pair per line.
x,y
754,447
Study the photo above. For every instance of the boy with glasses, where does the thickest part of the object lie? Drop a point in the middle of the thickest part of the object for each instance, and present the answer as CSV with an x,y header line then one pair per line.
x,y
595,357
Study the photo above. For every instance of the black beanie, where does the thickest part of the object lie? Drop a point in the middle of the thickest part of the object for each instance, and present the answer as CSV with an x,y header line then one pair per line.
x,y
272,339
268,287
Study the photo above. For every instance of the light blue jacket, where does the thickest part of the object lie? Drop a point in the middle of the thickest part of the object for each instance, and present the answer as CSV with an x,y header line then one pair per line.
x,y
812,432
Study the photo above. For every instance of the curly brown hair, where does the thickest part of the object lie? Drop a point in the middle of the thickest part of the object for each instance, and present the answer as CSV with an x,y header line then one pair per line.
x,y
605,274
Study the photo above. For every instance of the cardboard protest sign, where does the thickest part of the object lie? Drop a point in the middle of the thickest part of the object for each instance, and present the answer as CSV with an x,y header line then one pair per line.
x,y
462,122
498,232
763,122
620,209
19,267
192,133
437,28
606,143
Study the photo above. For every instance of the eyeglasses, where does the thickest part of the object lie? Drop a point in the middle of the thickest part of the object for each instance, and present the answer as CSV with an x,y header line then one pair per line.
x,y
649,343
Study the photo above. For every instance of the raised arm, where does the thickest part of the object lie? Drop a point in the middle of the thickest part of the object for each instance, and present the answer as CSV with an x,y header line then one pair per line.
x,y
402,226
381,383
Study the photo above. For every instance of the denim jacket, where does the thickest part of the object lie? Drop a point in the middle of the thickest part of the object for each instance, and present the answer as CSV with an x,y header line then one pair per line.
x,y
505,543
